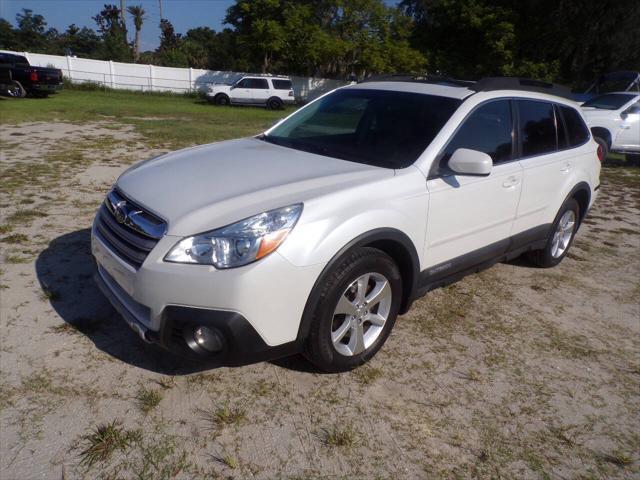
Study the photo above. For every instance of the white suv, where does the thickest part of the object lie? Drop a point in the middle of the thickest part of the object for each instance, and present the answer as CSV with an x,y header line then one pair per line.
x,y
313,236
272,92
614,119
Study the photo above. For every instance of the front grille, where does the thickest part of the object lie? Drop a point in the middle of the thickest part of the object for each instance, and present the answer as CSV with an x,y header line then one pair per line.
x,y
128,230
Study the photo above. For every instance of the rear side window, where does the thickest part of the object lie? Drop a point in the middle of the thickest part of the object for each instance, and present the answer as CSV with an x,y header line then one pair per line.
x,y
281,84
13,59
487,129
577,131
259,83
537,127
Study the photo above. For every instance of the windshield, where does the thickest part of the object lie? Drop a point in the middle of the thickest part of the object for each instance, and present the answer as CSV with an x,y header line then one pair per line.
x,y
610,101
377,127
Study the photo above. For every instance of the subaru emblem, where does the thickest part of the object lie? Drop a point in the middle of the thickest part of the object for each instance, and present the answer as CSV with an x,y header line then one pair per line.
x,y
120,212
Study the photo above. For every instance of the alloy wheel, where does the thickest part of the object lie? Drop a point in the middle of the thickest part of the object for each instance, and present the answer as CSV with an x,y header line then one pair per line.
x,y
361,313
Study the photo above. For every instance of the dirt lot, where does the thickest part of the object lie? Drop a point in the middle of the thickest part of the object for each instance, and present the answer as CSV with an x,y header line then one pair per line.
x,y
516,372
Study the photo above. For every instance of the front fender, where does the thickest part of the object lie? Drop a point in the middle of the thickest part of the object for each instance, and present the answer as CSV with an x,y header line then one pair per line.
x,y
331,222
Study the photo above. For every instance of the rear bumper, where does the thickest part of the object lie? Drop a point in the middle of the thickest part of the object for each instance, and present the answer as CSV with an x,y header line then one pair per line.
x,y
45,87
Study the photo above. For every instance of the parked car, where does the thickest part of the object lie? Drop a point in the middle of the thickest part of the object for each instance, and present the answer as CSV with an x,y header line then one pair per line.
x,y
37,81
272,92
623,81
315,235
614,119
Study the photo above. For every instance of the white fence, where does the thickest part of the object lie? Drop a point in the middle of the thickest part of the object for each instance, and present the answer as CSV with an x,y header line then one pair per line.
x,y
152,78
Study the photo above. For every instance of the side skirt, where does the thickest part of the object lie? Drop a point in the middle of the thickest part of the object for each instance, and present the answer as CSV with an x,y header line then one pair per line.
x,y
453,270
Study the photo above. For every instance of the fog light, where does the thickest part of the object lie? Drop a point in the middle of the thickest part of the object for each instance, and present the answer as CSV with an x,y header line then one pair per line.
x,y
207,339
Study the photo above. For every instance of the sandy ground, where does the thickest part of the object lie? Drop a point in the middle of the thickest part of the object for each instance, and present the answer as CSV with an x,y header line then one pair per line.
x,y
516,372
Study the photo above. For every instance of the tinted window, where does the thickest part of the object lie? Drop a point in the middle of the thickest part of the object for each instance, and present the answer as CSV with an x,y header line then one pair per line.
x,y
610,101
281,84
244,83
259,83
537,127
13,59
378,127
577,131
487,129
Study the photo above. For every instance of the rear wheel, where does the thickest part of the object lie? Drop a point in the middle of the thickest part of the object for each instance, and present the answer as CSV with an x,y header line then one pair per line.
x,y
274,103
560,238
355,311
16,90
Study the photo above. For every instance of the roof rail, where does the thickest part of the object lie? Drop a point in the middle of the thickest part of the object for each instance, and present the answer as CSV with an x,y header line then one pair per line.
x,y
489,84
403,77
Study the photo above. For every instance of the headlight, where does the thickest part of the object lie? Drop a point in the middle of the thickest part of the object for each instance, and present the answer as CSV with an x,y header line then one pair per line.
x,y
238,244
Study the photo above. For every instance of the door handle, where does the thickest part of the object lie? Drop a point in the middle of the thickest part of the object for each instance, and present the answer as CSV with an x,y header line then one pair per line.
x,y
511,182
566,167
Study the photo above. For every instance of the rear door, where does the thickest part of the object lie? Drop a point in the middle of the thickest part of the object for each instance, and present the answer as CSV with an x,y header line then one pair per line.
x,y
259,90
470,217
547,161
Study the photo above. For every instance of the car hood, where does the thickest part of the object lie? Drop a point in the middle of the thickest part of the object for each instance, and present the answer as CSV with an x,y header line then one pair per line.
x,y
210,186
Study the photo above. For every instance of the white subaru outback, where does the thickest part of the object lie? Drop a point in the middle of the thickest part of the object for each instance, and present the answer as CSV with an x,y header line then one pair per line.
x,y
272,92
315,235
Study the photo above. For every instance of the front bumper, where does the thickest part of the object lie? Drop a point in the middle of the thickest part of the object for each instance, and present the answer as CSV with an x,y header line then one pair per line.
x,y
256,308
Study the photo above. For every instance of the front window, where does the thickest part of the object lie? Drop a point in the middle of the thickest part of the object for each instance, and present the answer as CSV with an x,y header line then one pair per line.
x,y
377,127
610,101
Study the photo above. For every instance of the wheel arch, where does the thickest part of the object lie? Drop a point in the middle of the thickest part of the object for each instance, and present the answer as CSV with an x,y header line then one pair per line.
x,y
391,241
604,133
582,194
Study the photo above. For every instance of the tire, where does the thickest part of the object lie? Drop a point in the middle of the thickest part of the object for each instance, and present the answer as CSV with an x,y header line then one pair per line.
x,y
340,291
16,90
274,103
553,252
222,99
604,145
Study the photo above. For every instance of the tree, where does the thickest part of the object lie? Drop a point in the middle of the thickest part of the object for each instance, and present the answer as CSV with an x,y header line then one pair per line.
x,y
82,42
114,44
137,12
30,34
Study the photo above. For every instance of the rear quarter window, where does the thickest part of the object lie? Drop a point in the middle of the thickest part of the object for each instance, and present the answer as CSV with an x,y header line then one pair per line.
x,y
281,84
577,131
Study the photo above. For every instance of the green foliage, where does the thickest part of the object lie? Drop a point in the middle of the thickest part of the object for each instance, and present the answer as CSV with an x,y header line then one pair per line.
x,y
571,41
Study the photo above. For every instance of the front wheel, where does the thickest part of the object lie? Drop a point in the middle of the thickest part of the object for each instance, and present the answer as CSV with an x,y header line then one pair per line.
x,y
355,310
222,99
561,236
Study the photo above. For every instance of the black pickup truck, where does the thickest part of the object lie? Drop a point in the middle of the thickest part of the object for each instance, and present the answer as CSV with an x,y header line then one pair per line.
x,y
17,77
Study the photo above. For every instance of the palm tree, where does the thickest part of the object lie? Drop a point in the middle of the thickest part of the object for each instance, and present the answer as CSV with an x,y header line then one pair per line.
x,y
137,12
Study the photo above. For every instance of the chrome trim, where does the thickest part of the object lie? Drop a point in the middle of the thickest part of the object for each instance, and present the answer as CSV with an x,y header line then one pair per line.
x,y
128,213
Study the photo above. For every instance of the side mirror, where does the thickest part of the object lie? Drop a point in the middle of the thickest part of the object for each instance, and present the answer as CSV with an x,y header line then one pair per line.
x,y
470,162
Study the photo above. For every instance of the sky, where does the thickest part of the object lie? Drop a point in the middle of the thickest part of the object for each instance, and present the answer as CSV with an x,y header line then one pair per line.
x,y
183,14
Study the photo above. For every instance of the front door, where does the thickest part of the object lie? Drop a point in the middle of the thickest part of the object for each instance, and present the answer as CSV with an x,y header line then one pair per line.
x,y
470,217
241,91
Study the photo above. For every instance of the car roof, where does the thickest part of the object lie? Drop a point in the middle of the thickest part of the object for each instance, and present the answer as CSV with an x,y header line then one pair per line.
x,y
415,87
459,92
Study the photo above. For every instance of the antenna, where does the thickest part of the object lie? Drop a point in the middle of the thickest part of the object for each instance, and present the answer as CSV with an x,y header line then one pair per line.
x,y
160,3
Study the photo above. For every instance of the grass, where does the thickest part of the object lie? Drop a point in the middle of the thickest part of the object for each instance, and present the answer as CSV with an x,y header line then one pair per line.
x,y
222,417
16,238
148,399
338,436
176,121
99,445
